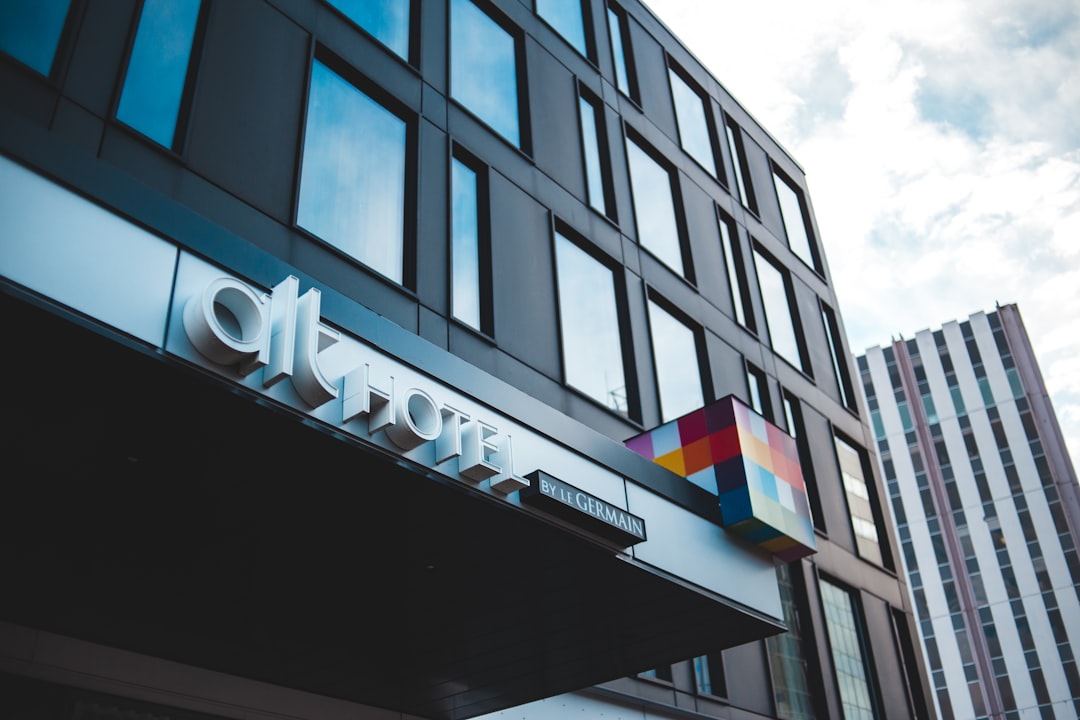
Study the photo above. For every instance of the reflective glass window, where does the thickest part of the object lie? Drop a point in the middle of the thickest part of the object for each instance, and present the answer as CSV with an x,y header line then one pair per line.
x,y
566,17
30,30
483,68
595,164
675,358
839,359
158,68
386,20
589,322
654,206
758,386
620,49
738,163
736,272
467,276
847,653
787,657
709,675
779,318
859,501
792,212
690,115
352,180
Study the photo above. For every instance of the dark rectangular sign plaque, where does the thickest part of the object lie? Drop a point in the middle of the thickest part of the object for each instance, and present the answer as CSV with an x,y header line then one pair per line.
x,y
576,506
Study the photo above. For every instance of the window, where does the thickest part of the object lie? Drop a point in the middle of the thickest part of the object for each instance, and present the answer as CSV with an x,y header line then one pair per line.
x,y
709,675
796,428
386,20
484,68
352,177
794,214
839,358
780,317
30,31
758,386
470,255
653,188
691,116
859,500
736,272
787,657
848,653
619,32
738,163
675,359
157,72
593,139
589,322
660,673
567,19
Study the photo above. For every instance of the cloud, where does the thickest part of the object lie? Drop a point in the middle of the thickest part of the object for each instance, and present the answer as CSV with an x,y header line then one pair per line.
x,y
942,153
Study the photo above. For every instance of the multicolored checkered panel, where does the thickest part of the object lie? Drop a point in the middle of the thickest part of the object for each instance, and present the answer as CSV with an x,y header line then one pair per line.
x,y
752,467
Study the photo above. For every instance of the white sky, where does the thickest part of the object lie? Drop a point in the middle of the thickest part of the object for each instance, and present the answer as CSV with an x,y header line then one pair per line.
x,y
941,144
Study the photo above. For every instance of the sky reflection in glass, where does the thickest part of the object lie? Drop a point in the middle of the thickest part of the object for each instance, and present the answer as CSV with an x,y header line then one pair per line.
x,y
30,30
465,251
736,281
592,346
565,17
654,207
157,70
622,75
777,310
483,68
693,126
594,178
352,183
387,20
794,224
678,376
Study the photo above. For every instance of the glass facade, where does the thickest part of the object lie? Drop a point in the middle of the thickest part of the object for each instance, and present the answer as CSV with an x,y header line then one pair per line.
x,y
791,210
158,68
738,163
838,357
654,207
567,19
787,659
709,675
386,20
483,68
594,160
352,180
736,272
779,318
675,357
589,325
691,116
845,641
30,30
620,49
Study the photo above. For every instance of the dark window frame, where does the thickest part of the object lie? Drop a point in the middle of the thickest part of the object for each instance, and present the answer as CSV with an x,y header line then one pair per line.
x,y
859,615
756,374
65,42
743,182
714,664
841,369
791,402
815,263
736,262
717,171
459,153
587,30
874,498
412,58
607,181
632,91
804,367
700,348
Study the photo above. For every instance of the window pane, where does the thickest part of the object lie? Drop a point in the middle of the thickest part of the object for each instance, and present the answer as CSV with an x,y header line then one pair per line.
x,y
736,275
847,654
675,357
709,675
858,498
654,207
387,20
465,250
352,182
622,73
30,30
787,658
693,125
157,70
794,222
778,316
734,140
483,68
592,345
590,143
565,17
755,381
843,381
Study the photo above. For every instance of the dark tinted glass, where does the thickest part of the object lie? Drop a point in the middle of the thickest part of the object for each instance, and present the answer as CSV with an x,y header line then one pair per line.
x,y
387,20
30,30
352,182
157,70
483,68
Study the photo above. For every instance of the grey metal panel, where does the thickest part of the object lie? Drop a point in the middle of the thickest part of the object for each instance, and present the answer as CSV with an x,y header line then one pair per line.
x,y
92,78
433,231
554,118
